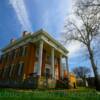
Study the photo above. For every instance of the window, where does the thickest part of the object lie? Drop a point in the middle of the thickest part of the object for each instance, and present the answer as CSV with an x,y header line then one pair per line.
x,y
47,72
20,51
17,52
37,53
10,56
4,72
3,58
13,54
20,69
56,61
8,71
24,51
0,72
11,70
49,59
0,59
13,73
36,67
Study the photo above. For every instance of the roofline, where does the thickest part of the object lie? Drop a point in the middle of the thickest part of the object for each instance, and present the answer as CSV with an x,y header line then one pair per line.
x,y
55,41
31,36
16,42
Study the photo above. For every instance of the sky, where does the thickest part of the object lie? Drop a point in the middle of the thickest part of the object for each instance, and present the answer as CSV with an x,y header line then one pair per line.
x,y
17,16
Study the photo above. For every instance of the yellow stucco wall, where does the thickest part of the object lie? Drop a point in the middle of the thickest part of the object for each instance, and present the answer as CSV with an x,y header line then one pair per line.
x,y
72,80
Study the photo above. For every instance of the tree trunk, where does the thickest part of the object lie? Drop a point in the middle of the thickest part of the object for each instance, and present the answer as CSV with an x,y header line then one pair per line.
x,y
94,67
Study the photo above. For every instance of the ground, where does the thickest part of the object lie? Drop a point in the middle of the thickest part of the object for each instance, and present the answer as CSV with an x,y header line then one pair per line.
x,y
73,94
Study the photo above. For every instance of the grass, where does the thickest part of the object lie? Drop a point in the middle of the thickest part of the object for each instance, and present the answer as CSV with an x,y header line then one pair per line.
x,y
73,94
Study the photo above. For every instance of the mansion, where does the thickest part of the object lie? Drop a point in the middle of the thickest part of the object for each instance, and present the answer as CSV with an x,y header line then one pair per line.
x,y
34,54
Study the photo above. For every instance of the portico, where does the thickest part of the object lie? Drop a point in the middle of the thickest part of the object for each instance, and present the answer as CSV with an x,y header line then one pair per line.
x,y
50,59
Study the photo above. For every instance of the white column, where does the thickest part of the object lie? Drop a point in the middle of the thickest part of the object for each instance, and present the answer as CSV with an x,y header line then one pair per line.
x,y
67,68
52,62
61,67
40,57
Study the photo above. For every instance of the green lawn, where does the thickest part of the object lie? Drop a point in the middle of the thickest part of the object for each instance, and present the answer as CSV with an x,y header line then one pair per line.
x,y
77,94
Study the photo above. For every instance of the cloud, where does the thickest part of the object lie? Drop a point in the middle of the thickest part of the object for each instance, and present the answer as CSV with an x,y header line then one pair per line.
x,y
21,11
58,16
46,19
74,48
54,15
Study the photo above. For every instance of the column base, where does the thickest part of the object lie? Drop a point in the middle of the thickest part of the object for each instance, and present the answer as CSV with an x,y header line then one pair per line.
x,y
44,83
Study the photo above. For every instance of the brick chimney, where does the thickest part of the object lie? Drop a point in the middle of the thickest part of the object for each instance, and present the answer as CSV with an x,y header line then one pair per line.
x,y
25,33
12,40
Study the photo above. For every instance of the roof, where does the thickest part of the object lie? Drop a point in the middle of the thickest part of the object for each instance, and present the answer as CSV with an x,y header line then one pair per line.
x,y
41,31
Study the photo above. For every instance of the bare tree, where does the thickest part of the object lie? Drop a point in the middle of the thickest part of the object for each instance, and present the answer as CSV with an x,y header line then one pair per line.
x,y
86,30
89,3
82,72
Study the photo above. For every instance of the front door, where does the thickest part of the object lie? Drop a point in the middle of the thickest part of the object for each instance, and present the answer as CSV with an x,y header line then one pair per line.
x,y
47,72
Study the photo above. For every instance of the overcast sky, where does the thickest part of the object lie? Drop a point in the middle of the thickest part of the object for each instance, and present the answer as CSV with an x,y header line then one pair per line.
x,y
32,15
